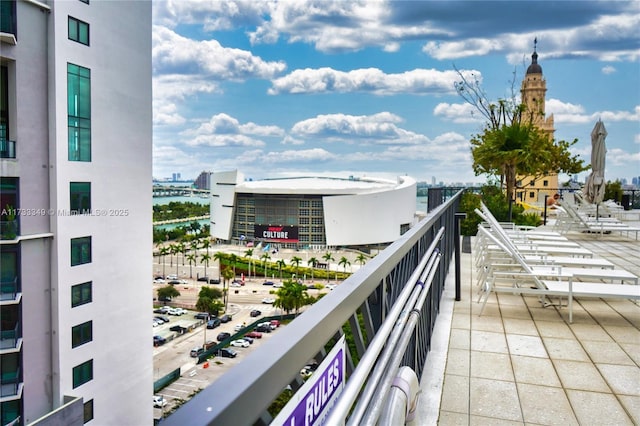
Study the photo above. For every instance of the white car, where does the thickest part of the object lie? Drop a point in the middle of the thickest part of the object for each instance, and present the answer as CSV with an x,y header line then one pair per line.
x,y
236,285
268,300
159,401
175,311
331,286
158,280
240,343
172,277
238,327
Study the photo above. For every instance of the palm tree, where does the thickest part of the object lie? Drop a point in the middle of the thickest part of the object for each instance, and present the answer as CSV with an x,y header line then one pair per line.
x,y
163,252
328,257
361,259
295,260
205,258
172,251
227,275
191,258
265,257
219,256
312,262
205,244
195,244
182,249
281,264
249,253
344,262
292,296
233,258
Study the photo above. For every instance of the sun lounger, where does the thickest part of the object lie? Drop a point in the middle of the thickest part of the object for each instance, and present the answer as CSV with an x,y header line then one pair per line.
x,y
574,221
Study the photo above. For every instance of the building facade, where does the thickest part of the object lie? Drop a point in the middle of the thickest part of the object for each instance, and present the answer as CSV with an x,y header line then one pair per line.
x,y
311,212
533,93
75,139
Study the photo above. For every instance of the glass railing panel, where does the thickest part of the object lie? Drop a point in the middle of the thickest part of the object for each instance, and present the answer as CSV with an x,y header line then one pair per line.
x,y
7,148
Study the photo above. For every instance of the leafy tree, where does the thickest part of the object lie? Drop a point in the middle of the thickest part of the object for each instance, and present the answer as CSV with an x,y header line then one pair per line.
x,y
613,191
292,296
511,145
167,292
233,258
208,300
344,262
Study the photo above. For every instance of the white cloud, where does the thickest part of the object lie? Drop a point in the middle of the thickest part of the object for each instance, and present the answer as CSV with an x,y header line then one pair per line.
x,y
173,53
373,80
371,129
223,124
608,70
458,113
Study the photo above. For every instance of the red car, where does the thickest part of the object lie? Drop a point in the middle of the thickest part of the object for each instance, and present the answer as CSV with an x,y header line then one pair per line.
x,y
254,335
275,322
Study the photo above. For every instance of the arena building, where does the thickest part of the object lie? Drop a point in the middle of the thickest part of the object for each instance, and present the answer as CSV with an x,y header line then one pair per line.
x,y
311,212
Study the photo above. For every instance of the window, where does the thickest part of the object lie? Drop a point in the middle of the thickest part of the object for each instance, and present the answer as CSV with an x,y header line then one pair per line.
x,y
532,194
79,112
81,334
81,294
80,196
545,183
88,406
80,251
82,373
78,31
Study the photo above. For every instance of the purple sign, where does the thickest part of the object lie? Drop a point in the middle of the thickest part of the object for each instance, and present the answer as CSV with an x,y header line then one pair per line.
x,y
318,393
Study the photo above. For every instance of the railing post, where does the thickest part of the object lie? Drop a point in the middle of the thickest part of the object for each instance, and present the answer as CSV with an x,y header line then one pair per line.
x,y
544,222
456,246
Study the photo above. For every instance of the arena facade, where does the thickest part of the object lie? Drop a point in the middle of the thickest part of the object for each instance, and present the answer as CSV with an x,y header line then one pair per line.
x,y
311,212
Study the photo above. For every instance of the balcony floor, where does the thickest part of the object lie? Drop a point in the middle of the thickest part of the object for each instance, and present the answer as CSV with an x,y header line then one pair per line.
x,y
520,363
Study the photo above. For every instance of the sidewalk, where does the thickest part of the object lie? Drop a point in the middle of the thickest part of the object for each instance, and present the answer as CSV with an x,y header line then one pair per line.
x,y
520,363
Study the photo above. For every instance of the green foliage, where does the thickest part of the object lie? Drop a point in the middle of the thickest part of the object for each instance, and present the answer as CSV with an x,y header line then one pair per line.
x,y
613,191
468,203
279,403
179,210
529,219
168,291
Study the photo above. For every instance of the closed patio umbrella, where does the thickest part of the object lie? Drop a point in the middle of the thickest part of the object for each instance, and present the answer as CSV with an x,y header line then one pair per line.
x,y
594,188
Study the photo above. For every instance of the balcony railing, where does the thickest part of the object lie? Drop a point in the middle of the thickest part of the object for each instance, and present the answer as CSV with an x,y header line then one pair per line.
x,y
9,289
9,338
10,383
7,148
368,303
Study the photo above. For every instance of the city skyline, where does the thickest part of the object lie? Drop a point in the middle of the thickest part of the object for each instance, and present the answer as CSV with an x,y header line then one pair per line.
x,y
359,88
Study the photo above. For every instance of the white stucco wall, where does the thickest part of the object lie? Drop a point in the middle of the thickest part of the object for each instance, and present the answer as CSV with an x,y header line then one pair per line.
x,y
223,194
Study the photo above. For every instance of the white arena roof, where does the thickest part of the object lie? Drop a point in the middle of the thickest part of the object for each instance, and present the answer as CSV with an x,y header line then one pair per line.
x,y
322,185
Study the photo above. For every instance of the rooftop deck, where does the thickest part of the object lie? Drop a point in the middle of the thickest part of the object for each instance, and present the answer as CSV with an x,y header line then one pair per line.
x,y
520,363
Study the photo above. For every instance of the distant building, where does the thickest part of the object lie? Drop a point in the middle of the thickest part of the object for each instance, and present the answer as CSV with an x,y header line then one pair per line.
x,y
311,212
203,181
533,93
76,139
175,177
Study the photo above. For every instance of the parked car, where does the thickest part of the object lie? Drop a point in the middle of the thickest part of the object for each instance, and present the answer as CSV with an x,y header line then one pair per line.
x,y
195,352
235,284
178,328
214,281
202,315
331,286
238,327
267,283
277,285
203,279
162,310
222,336
159,340
213,323
255,313
239,282
164,299
268,300
248,339
268,324
172,277
174,282
263,328
275,322
158,277
161,318
209,344
159,401
158,280
156,322
225,318
227,353
254,335
241,343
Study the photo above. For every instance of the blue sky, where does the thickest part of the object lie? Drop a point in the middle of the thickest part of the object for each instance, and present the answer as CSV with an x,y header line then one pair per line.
x,y
366,88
